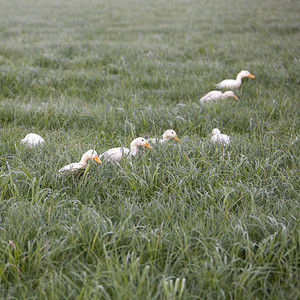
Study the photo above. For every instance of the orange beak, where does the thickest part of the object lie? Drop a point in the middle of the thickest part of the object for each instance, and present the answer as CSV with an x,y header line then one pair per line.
x,y
147,145
235,97
96,158
251,76
176,138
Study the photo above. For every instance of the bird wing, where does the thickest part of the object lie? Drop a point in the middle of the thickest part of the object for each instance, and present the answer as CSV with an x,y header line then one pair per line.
x,y
224,138
33,139
221,138
211,96
227,83
115,154
74,167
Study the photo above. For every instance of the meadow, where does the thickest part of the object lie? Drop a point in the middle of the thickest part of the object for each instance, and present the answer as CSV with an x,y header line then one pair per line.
x,y
184,220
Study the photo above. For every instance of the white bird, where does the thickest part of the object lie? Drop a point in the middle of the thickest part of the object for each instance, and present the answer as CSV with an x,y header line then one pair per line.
x,y
33,139
234,83
76,168
217,95
168,134
218,137
116,154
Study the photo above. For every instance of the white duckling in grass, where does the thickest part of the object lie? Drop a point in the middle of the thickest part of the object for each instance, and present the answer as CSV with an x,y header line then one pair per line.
x,y
217,95
218,137
234,83
32,140
76,168
116,154
168,134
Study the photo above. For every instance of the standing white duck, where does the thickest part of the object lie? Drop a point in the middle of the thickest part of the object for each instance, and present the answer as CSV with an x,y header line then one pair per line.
x,y
218,137
168,134
76,168
33,139
234,83
217,95
116,154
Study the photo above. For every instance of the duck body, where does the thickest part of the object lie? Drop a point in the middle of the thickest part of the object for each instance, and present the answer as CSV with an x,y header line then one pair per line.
x,y
234,83
218,137
168,134
76,168
217,95
116,154
33,139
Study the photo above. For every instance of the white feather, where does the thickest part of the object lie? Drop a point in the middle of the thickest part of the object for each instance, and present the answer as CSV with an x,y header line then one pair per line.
x,y
116,154
217,95
234,83
33,139
218,137
75,168
168,134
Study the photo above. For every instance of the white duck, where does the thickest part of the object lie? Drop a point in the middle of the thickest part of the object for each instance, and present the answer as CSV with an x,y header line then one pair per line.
x,y
217,95
218,137
234,83
116,154
76,168
33,139
168,134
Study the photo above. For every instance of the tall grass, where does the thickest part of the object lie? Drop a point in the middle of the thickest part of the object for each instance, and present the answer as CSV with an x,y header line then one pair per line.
x,y
182,220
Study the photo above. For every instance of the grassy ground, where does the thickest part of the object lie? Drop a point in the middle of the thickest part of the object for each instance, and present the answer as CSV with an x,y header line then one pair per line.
x,y
181,221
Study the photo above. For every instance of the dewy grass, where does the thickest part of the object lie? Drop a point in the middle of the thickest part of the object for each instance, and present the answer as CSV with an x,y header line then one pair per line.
x,y
183,220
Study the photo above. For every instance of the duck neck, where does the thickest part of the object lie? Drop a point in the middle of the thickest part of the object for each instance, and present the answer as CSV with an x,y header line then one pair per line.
x,y
84,160
239,78
133,150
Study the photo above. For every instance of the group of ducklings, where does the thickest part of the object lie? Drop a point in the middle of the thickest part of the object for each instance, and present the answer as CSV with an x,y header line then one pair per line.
x,y
116,154
217,136
113,154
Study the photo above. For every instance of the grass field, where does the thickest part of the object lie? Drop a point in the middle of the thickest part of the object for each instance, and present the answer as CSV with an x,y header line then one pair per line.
x,y
187,220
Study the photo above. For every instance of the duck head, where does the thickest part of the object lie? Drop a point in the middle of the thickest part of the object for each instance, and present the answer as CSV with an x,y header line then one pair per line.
x,y
230,94
216,131
170,134
91,154
245,73
138,142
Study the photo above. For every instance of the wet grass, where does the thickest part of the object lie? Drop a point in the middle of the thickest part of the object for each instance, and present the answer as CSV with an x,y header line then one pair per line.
x,y
180,221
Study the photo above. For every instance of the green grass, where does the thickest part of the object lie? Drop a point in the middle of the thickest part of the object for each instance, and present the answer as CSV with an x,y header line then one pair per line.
x,y
180,221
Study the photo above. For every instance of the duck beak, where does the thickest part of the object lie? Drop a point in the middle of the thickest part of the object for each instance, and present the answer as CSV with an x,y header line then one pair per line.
x,y
96,158
147,145
235,97
176,138
251,76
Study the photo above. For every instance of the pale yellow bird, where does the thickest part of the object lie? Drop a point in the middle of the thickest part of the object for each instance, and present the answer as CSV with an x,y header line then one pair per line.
x,y
33,139
234,83
168,134
217,95
76,168
218,137
116,154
